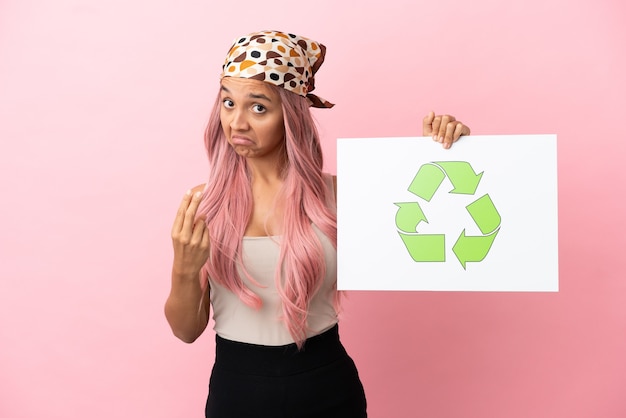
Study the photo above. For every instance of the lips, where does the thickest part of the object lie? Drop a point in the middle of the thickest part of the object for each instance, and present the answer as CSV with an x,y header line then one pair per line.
x,y
241,140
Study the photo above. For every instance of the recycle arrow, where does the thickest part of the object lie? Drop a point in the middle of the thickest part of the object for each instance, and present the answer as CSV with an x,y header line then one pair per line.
x,y
485,214
462,176
431,247
473,248
430,176
409,215
425,247
427,181
421,247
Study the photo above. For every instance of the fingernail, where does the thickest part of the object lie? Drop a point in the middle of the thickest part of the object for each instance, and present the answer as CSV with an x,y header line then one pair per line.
x,y
188,192
197,195
441,139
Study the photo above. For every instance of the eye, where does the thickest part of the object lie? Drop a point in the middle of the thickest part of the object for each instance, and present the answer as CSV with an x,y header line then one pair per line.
x,y
257,108
228,104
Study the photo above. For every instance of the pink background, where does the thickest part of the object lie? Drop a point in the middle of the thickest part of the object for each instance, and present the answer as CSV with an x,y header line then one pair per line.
x,y
102,110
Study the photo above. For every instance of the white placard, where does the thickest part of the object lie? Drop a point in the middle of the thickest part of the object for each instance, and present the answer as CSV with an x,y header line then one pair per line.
x,y
401,228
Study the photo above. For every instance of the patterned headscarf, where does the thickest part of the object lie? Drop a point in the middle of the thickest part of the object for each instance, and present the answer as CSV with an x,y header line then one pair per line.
x,y
283,59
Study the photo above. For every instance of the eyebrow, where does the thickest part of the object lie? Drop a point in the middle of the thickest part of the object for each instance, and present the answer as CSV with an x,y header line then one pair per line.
x,y
252,95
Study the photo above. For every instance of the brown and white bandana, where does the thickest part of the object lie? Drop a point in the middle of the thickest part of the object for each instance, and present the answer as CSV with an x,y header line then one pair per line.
x,y
283,59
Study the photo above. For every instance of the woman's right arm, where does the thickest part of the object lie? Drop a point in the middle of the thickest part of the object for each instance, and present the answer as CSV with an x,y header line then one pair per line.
x,y
187,306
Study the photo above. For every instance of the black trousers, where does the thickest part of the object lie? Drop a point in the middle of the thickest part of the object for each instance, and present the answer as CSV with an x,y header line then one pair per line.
x,y
250,380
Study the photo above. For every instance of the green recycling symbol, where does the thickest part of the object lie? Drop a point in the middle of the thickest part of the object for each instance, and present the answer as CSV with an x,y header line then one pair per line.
x,y
431,247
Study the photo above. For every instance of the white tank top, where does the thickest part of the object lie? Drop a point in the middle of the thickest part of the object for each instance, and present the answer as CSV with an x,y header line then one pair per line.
x,y
236,321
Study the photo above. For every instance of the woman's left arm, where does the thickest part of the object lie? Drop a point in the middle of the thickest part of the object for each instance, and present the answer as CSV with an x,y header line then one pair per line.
x,y
444,129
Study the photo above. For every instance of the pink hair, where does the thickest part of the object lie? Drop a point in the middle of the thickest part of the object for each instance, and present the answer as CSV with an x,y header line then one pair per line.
x,y
227,206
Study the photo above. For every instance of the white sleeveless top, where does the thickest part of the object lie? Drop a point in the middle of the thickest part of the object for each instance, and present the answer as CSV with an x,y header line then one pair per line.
x,y
236,321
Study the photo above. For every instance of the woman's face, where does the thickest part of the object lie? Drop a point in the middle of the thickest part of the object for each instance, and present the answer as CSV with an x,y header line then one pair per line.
x,y
252,117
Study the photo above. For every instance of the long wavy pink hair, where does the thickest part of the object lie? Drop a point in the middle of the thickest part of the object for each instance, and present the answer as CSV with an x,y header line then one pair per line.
x,y
227,207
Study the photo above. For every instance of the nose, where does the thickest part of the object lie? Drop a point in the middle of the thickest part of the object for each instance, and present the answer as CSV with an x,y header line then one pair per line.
x,y
239,120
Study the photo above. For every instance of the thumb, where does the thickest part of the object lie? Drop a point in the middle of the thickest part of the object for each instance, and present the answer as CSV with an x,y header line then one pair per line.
x,y
427,127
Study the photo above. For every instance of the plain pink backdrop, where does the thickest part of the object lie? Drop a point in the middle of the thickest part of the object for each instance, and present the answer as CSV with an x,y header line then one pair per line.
x,y
102,110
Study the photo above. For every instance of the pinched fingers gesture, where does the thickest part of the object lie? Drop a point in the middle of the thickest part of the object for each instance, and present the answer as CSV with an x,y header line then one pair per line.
x,y
444,129
190,237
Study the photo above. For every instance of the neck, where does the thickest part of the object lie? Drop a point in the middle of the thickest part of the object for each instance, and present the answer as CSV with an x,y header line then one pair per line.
x,y
267,170
267,205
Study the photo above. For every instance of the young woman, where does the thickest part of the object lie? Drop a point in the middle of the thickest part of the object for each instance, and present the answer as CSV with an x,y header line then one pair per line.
x,y
257,242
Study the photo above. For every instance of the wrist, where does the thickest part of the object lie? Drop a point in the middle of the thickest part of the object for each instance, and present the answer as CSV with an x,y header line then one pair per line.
x,y
185,274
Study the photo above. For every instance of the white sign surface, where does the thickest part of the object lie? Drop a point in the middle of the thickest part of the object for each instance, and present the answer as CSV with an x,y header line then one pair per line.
x,y
481,216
